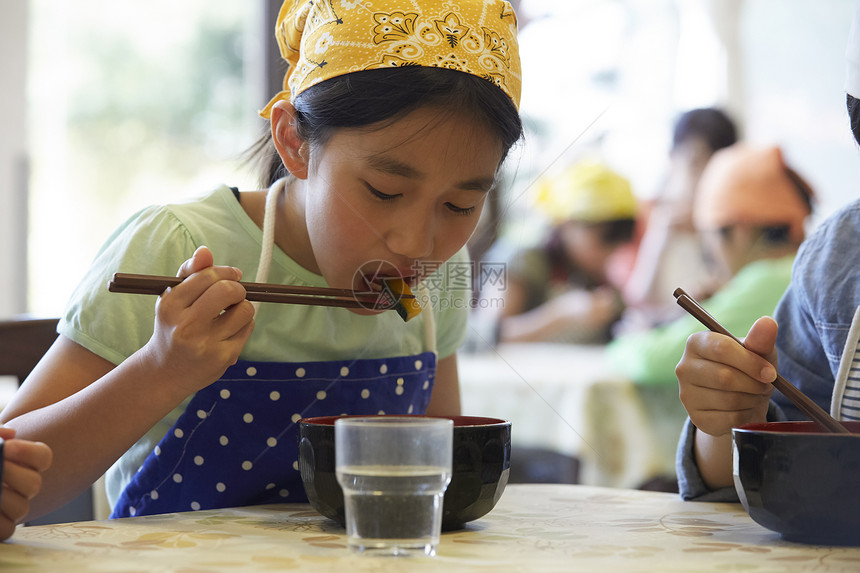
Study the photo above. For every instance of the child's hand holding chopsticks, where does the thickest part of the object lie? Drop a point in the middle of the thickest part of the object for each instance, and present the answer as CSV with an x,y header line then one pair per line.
x,y
736,393
201,324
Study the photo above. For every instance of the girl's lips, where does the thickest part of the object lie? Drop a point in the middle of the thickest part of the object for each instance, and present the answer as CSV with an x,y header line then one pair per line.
x,y
408,279
369,276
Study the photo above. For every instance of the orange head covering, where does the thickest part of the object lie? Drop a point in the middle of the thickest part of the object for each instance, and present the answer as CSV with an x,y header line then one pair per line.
x,y
746,184
322,39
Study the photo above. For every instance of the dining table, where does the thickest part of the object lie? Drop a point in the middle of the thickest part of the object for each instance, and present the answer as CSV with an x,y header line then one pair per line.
x,y
533,527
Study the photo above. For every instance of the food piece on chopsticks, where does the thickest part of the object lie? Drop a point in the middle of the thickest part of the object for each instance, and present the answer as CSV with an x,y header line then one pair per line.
x,y
406,305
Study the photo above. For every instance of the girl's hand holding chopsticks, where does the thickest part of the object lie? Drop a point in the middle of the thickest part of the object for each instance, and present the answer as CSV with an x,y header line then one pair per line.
x,y
204,315
389,293
201,324
800,400
723,384
726,382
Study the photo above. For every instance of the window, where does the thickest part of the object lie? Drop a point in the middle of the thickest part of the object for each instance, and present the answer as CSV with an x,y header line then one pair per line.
x,y
131,103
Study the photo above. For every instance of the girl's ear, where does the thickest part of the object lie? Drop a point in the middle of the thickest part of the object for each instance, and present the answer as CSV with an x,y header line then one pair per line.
x,y
291,147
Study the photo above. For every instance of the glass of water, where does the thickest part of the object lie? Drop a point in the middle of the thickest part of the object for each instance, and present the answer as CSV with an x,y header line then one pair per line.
x,y
393,471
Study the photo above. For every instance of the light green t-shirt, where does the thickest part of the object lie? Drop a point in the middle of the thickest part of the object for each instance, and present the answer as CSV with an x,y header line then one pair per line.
x,y
157,240
650,357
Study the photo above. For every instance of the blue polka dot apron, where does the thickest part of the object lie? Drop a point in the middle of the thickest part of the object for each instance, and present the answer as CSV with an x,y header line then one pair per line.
x,y
237,441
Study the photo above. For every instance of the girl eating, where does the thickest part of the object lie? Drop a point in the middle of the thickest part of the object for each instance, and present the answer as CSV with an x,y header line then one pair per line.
x,y
385,141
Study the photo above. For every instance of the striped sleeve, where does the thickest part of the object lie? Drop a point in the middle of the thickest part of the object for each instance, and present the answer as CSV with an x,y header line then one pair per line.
x,y
846,393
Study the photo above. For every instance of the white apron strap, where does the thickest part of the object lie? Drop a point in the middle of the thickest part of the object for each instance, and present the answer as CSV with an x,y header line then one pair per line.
x,y
269,229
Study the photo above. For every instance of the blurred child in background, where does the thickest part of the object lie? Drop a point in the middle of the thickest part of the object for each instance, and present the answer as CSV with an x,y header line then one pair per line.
x,y
668,249
559,290
750,212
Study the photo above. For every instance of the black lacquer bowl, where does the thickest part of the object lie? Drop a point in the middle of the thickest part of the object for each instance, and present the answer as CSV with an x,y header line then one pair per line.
x,y
800,481
481,466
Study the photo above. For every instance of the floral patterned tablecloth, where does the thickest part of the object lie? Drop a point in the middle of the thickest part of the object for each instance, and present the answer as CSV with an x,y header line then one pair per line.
x,y
543,528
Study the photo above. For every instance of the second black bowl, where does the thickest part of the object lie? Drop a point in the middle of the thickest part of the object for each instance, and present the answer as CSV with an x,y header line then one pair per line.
x,y
798,480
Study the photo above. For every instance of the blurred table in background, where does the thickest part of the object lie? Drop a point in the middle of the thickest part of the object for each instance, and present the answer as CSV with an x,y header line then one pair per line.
x,y
568,399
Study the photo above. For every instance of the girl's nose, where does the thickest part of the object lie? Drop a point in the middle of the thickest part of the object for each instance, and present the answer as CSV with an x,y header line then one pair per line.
x,y
411,237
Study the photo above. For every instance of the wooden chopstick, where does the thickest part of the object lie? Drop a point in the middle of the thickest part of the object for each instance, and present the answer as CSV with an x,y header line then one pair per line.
x,y
261,292
798,398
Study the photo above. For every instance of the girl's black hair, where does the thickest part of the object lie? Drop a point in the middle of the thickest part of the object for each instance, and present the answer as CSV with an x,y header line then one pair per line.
x,y
372,96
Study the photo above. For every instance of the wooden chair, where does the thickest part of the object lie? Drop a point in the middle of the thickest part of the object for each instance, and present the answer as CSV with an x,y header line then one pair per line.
x,y
23,342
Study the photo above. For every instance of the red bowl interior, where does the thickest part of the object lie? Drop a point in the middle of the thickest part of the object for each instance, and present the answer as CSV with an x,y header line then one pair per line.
x,y
459,421
797,427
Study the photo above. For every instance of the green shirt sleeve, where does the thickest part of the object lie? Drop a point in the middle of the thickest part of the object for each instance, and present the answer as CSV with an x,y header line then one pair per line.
x,y
114,326
451,302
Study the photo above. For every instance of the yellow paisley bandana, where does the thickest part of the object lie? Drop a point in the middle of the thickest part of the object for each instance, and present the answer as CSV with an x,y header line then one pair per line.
x,y
322,39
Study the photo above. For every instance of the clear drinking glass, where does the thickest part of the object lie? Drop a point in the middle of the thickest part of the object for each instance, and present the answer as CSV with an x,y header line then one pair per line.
x,y
393,471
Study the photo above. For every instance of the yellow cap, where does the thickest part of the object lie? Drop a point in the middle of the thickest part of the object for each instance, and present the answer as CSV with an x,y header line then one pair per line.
x,y
586,191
